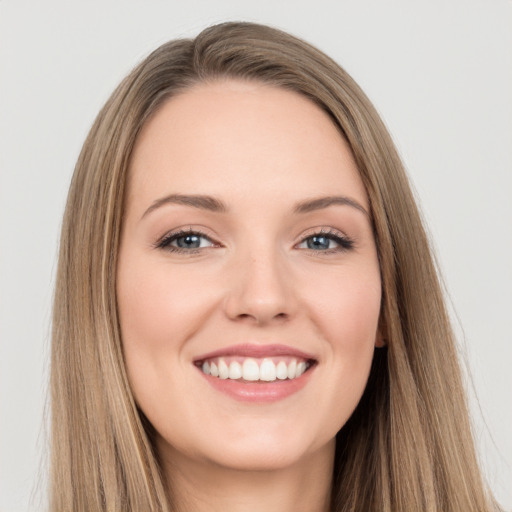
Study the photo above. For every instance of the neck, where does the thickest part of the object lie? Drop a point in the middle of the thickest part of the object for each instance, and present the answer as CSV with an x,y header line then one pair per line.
x,y
203,486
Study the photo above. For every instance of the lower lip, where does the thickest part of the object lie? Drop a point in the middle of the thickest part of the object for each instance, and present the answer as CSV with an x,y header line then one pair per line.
x,y
259,391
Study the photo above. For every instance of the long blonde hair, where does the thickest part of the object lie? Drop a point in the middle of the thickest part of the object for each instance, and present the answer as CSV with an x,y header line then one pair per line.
x,y
408,445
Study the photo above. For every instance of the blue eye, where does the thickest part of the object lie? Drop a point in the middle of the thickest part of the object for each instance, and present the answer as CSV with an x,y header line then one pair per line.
x,y
319,243
326,242
191,241
185,241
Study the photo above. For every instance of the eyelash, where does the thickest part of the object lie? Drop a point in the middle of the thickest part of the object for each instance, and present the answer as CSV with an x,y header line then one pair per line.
x,y
344,242
165,242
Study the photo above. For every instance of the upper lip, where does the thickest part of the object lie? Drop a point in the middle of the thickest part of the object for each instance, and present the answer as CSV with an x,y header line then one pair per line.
x,y
256,351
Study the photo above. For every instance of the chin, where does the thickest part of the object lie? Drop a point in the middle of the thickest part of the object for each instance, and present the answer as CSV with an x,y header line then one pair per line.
x,y
250,450
259,458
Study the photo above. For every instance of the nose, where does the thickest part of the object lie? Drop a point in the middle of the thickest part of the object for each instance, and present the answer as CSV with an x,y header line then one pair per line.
x,y
260,290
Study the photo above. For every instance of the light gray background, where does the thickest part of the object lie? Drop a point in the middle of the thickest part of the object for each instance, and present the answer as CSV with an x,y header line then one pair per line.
x,y
438,71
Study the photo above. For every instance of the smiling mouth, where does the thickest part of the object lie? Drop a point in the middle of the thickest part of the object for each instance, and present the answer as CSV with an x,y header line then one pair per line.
x,y
256,373
252,370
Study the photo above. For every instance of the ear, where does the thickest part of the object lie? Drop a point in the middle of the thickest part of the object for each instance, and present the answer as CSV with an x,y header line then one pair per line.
x,y
380,341
381,338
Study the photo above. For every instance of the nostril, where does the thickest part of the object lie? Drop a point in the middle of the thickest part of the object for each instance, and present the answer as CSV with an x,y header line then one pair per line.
x,y
262,318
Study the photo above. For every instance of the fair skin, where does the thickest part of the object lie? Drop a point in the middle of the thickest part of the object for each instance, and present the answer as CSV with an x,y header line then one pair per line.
x,y
278,263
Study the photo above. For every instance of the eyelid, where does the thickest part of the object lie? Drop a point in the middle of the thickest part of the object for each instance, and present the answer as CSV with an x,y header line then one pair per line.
x,y
344,241
164,241
322,231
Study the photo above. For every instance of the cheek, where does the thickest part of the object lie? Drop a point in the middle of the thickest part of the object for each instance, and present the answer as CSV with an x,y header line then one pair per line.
x,y
346,306
345,309
158,304
160,309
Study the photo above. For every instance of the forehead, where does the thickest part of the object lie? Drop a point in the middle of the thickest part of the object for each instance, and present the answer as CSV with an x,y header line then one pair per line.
x,y
244,138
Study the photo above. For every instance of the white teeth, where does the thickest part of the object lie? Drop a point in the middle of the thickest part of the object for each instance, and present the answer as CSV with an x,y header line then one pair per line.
x,y
281,370
292,368
250,370
265,370
268,370
235,370
223,369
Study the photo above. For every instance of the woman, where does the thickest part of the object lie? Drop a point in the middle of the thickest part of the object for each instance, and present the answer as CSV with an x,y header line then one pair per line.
x,y
247,314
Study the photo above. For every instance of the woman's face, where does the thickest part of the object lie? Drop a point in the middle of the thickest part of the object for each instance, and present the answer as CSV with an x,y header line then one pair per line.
x,y
248,280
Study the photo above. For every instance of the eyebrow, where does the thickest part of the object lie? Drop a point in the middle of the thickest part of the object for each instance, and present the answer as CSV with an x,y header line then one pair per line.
x,y
213,204
320,203
195,201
